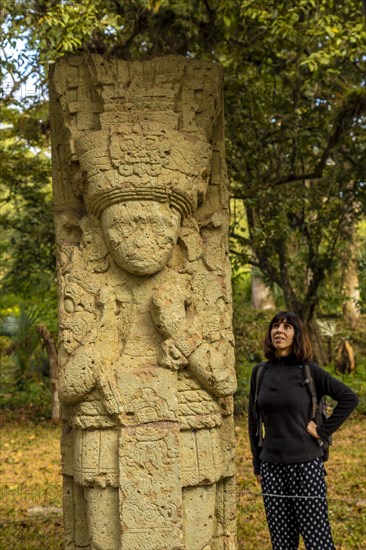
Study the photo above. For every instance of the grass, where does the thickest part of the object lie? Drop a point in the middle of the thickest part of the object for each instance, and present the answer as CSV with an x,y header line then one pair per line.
x,y
30,476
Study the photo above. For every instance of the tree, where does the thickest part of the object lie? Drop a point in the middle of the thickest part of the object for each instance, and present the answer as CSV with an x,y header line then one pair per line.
x,y
27,264
350,282
295,109
49,344
28,259
261,293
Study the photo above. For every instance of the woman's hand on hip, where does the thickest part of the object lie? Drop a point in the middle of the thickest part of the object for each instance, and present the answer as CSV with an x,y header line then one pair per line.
x,y
311,429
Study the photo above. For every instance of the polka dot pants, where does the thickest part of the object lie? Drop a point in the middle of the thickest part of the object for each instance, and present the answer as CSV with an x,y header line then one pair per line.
x,y
289,517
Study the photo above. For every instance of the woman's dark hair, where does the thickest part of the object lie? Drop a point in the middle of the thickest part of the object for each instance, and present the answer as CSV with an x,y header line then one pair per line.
x,y
302,348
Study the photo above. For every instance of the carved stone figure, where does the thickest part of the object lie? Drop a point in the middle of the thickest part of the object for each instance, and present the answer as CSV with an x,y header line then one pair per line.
x,y
146,344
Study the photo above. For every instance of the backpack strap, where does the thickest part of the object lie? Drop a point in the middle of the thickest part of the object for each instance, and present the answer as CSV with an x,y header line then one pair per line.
x,y
309,382
318,409
258,380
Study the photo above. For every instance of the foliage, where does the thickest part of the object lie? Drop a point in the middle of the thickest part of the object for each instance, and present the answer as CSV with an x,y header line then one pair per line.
x,y
24,379
24,343
295,116
296,108
33,398
297,239
24,373
28,259
27,264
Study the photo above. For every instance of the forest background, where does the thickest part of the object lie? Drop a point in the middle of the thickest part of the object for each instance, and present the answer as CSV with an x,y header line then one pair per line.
x,y
295,113
295,104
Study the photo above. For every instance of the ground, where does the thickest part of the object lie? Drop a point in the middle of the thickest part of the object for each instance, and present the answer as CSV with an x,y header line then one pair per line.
x,y
30,477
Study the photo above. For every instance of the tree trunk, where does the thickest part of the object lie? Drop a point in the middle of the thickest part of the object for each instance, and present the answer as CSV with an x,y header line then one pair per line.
x,y
49,344
320,352
261,294
345,359
350,283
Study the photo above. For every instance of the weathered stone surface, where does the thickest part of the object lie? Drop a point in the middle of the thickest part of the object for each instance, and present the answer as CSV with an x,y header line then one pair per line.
x,y
146,345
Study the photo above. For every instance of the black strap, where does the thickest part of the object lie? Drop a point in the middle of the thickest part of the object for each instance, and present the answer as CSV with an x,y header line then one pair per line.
x,y
311,386
257,407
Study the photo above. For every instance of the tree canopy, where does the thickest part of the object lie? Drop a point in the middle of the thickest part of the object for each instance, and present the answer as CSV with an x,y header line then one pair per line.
x,y
295,117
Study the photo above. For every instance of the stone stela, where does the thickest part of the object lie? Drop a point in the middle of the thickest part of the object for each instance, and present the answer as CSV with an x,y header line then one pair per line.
x,y
145,312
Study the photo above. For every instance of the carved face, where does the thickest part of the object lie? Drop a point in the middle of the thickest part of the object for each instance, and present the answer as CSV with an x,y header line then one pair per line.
x,y
141,235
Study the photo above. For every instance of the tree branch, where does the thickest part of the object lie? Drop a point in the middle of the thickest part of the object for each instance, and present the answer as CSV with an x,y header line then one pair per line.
x,y
289,178
240,238
247,259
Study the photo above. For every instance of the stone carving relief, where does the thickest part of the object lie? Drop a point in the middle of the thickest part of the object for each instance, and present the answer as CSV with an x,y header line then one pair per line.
x,y
146,344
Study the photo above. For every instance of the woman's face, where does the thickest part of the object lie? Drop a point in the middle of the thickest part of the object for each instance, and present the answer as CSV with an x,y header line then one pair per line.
x,y
282,336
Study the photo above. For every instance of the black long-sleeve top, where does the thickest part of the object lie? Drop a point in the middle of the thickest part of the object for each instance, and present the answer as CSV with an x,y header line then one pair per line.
x,y
285,404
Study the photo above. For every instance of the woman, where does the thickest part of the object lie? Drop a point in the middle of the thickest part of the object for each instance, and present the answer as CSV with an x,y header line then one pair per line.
x,y
288,462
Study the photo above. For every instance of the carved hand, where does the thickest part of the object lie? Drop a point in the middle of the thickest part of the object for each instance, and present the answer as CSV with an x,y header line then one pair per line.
x,y
168,310
78,376
90,364
215,370
170,318
171,357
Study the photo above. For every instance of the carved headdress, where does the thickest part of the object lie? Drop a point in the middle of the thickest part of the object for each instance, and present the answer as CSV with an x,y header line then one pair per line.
x,y
143,161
